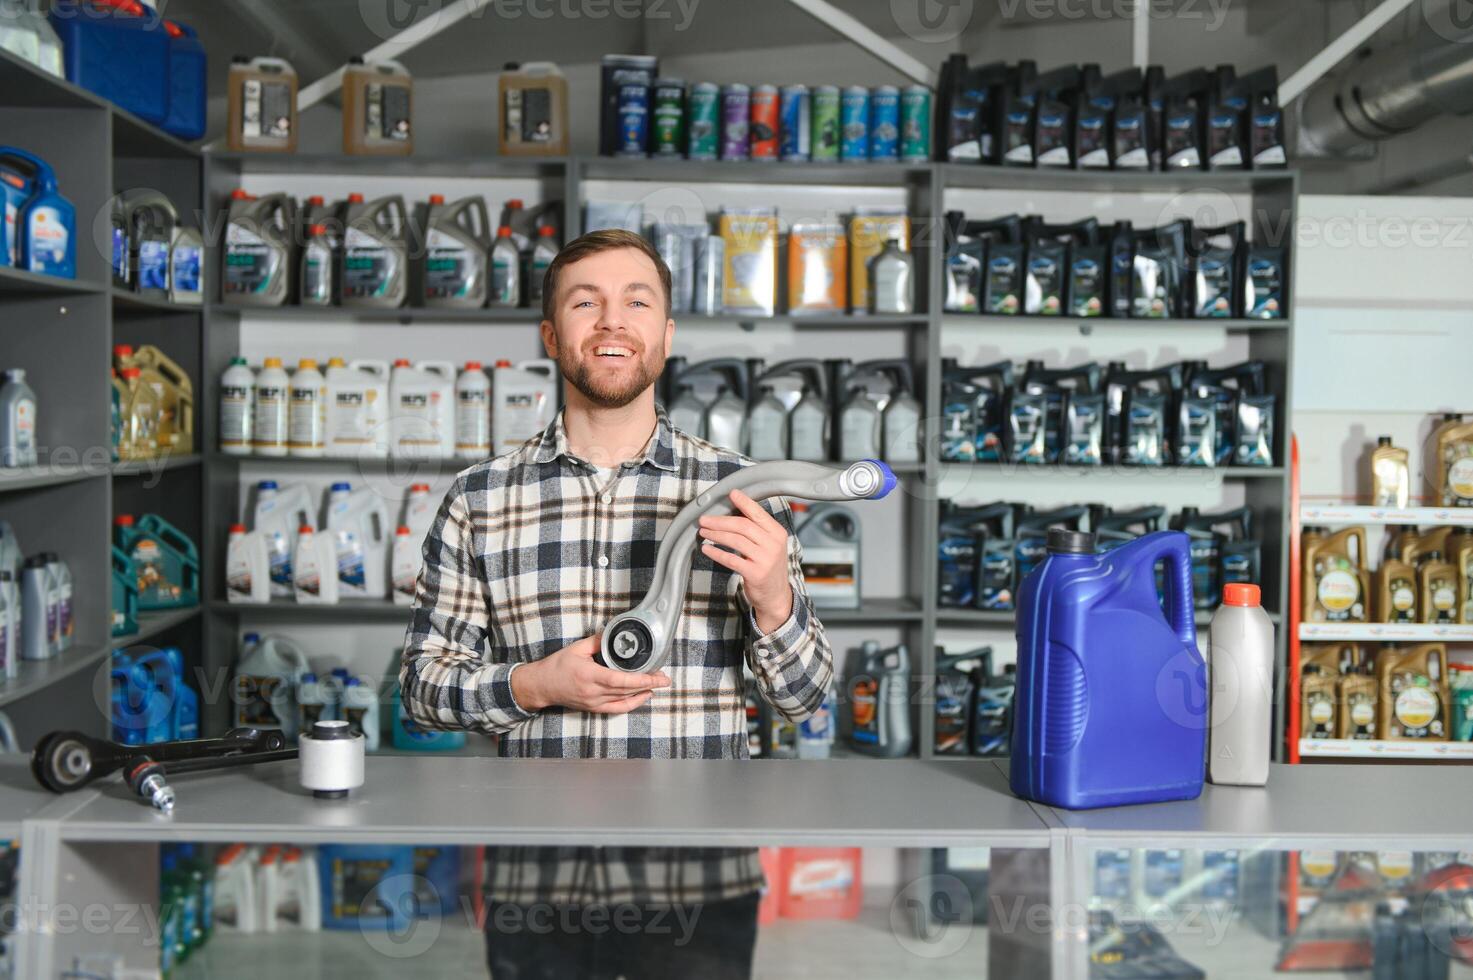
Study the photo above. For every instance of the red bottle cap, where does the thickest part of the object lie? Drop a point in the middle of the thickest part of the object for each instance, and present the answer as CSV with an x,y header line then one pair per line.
x,y
239,194
546,231
402,362
1241,594
402,530
504,231
473,365
131,373
237,529
419,486
318,231
503,363
123,520
437,198
355,198
306,529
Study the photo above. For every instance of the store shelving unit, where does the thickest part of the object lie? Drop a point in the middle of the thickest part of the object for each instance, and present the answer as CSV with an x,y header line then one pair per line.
x,y
662,184
62,331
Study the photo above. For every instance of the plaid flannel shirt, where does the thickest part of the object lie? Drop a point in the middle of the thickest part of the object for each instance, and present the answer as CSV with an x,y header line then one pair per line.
x,y
536,549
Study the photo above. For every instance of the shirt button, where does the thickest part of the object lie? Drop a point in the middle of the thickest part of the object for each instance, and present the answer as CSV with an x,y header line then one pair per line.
x,y
603,561
608,498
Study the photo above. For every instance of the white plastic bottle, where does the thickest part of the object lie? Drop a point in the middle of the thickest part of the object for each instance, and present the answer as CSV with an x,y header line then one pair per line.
x,y
422,407
359,528
419,511
506,270
313,702
247,566
273,401
266,679
278,514
9,624
314,568
307,419
64,624
237,407
524,401
360,710
357,408
1241,665
404,565
18,424
53,601
543,253
473,412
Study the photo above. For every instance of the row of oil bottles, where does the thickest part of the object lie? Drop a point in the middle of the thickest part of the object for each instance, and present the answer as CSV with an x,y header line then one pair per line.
x,y
806,408
1402,692
358,253
287,553
152,404
420,410
155,567
378,108
1447,466
36,612
153,253
1424,576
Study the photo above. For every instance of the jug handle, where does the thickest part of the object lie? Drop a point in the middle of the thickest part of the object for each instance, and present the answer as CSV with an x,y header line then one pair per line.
x,y
1172,545
1358,535
478,208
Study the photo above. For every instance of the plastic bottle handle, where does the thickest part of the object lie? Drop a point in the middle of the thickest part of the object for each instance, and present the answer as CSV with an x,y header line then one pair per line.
x,y
1171,545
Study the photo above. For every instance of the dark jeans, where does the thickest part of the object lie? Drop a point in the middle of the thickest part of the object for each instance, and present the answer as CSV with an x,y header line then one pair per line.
x,y
637,942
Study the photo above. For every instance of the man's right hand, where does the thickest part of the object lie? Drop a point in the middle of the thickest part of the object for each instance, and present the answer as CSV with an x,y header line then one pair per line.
x,y
571,678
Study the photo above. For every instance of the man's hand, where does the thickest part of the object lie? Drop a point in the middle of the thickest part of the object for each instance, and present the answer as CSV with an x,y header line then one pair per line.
x,y
761,559
571,679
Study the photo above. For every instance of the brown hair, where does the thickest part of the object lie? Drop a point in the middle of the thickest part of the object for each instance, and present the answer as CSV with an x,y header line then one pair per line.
x,y
591,244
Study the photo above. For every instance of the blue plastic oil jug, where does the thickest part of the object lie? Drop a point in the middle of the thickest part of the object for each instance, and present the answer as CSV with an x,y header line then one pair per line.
x,y
187,82
40,224
1111,699
119,50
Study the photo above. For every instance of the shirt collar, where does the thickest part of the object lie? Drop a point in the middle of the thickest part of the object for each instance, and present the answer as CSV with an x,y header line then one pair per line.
x,y
659,451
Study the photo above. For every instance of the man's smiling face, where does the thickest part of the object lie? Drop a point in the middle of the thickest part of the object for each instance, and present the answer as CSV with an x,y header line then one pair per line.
x,y
610,328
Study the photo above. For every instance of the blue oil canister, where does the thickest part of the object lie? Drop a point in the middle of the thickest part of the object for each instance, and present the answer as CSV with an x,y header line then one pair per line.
x,y
40,224
1111,697
119,50
187,82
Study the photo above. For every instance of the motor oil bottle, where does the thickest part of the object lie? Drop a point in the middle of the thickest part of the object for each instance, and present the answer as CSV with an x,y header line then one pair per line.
x,y
1357,709
1431,459
17,421
1454,473
422,409
359,527
767,426
956,686
1094,725
832,545
1218,557
996,558
892,281
1140,437
124,604
314,568
1031,545
1242,670
1461,545
262,112
879,702
247,566
1438,589
524,401
992,722
726,420
258,250
176,397
1397,591
419,510
166,562
360,711
1332,658
1391,483
473,412
902,421
992,383
378,100
457,253
150,220
187,267
1413,698
267,676
277,516
1336,583
543,253
404,562
307,411
687,412
534,110
357,404
506,270
117,391
40,222
375,253
1415,547
319,267
808,423
141,414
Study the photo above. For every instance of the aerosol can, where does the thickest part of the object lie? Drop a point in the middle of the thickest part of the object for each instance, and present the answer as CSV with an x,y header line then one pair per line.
x,y
422,409
258,250
375,253
524,401
831,540
457,250
879,702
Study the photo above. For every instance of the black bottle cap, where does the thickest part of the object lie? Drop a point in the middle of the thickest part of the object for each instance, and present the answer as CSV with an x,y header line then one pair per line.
x,y
357,59
1062,541
511,66
1383,440
240,59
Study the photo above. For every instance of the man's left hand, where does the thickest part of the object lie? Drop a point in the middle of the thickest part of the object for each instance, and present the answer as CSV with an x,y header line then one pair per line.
x,y
760,544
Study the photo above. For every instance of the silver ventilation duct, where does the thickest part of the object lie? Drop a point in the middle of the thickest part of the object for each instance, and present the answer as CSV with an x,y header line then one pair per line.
x,y
1393,91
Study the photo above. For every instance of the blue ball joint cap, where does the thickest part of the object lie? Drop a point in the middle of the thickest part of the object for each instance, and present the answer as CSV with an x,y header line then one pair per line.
x,y
888,483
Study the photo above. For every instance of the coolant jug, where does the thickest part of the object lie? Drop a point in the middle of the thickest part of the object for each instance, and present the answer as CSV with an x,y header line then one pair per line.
x,y
1111,699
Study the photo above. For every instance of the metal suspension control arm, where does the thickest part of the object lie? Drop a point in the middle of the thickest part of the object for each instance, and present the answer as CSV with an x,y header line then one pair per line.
x,y
638,641
65,761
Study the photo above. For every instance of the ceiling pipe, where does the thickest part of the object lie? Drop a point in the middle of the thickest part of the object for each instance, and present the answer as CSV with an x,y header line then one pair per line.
x,y
1391,92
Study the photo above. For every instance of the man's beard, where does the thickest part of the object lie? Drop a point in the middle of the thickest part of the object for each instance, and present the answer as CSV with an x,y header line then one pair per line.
x,y
609,393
